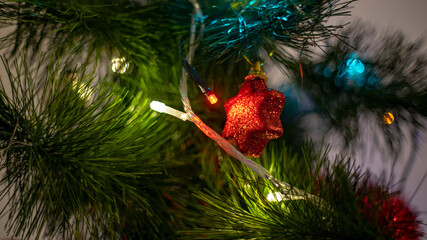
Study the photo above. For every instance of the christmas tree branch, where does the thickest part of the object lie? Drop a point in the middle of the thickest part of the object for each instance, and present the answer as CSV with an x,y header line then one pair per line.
x,y
391,80
74,153
248,28
253,207
93,27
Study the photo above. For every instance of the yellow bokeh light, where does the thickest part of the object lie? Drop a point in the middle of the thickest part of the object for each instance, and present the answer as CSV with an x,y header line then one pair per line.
x,y
119,65
83,89
388,118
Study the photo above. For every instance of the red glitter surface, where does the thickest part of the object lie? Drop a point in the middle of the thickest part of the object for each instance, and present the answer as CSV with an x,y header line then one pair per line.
x,y
253,116
393,215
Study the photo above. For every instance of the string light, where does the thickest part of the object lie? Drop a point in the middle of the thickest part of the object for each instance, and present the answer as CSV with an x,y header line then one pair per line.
x,y
119,65
355,68
353,73
388,118
162,108
211,97
277,197
84,91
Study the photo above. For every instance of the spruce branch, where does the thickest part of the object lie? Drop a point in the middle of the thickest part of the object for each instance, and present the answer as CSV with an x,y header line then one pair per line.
x,y
75,154
244,27
393,80
141,33
251,207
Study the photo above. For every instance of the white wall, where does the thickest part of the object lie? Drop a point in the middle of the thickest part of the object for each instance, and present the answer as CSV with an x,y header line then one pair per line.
x,y
409,16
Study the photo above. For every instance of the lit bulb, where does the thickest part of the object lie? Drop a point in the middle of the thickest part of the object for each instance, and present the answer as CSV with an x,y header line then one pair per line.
x,y
119,65
388,118
158,106
84,92
358,66
161,107
355,67
212,99
184,117
275,197
210,95
82,89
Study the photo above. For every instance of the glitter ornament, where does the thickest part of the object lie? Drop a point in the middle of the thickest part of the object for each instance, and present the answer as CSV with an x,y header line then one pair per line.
x,y
392,214
253,116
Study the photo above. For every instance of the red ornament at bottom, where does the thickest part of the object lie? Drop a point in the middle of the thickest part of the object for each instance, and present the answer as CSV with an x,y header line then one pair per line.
x,y
392,213
253,116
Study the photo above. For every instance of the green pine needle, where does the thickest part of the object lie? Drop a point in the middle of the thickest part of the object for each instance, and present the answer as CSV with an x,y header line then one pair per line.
x,y
252,208
73,153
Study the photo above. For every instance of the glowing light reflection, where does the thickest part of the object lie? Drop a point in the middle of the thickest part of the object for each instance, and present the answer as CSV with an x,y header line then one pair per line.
x,y
119,65
162,108
388,118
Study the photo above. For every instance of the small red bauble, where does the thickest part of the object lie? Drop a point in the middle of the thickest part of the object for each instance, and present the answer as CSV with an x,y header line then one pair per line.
x,y
253,116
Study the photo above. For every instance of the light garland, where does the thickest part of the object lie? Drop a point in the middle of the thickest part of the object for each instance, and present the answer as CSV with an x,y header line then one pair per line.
x,y
287,191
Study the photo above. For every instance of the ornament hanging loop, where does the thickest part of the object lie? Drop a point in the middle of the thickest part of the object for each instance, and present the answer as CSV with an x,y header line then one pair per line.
x,y
256,69
261,63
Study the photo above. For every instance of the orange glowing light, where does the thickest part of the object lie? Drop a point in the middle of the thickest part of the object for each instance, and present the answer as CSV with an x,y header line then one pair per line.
x,y
388,118
212,99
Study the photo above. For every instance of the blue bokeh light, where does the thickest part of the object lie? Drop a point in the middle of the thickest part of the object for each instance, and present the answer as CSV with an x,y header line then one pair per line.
x,y
353,73
355,67
327,72
329,69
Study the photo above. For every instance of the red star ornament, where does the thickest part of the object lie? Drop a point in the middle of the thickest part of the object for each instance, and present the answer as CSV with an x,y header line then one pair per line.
x,y
253,116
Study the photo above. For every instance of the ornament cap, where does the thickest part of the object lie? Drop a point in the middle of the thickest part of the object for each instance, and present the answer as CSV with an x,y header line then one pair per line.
x,y
256,71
